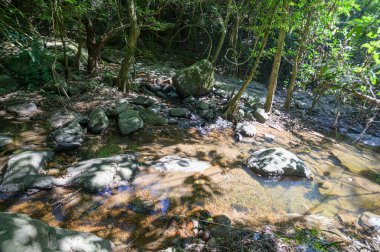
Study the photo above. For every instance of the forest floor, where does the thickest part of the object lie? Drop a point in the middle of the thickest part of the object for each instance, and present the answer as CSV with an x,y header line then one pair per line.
x,y
158,209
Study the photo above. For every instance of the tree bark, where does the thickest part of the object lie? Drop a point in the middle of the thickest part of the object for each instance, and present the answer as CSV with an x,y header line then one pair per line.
x,y
122,78
223,35
232,105
297,61
94,47
277,61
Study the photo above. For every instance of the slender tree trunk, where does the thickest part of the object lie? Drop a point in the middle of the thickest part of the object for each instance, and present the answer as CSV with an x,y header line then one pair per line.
x,y
232,105
92,47
223,35
80,45
277,61
122,78
297,61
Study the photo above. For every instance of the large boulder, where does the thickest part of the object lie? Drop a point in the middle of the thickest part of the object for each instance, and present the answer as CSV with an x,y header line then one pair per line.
x,y
130,121
68,137
26,170
98,121
97,174
150,117
20,233
274,162
195,80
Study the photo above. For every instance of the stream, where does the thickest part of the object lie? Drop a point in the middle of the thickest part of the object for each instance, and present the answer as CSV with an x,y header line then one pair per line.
x,y
346,181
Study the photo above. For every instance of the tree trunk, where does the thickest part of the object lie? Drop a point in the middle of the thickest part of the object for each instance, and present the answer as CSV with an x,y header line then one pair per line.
x,y
223,35
277,61
80,45
232,105
297,61
92,47
122,78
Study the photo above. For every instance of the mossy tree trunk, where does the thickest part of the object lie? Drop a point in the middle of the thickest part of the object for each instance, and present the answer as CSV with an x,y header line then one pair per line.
x,y
277,60
122,78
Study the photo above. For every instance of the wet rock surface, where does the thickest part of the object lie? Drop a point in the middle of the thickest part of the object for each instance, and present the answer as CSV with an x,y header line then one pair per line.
x,y
195,80
26,170
98,174
178,164
274,162
18,232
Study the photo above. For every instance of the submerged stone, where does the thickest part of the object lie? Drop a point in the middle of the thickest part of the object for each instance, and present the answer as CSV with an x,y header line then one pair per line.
x,y
278,162
18,232
98,174
178,164
25,170
195,80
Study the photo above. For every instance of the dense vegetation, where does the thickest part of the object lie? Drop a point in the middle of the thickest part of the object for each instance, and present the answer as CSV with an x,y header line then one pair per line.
x,y
324,46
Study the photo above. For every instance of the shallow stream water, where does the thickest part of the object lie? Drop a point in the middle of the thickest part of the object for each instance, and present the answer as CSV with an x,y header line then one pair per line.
x,y
346,181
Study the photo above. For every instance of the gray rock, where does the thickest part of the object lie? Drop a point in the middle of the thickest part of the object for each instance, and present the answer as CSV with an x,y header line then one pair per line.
x,y
208,114
195,80
25,170
68,137
4,140
97,174
144,101
277,162
260,115
152,118
98,121
179,112
269,137
178,164
248,129
130,121
24,109
369,221
61,118
18,232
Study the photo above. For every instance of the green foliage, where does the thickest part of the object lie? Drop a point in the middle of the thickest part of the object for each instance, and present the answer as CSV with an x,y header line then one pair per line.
x,y
313,238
